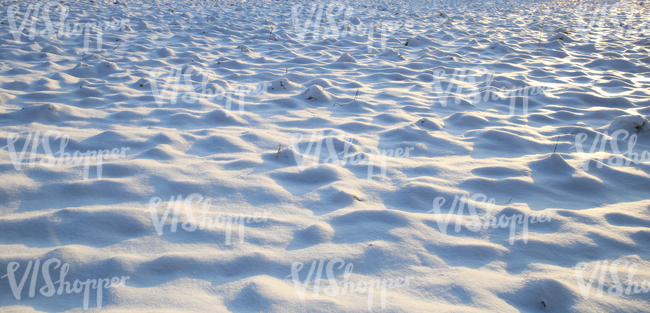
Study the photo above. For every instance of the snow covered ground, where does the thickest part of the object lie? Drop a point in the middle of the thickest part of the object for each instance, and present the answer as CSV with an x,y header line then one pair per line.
x,y
393,156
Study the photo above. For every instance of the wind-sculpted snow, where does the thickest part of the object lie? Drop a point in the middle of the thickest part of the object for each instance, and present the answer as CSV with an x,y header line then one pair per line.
x,y
294,156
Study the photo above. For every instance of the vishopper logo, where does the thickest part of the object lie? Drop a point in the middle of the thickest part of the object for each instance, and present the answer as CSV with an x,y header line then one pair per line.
x,y
205,222
346,286
207,89
478,92
477,223
620,20
334,157
49,289
618,159
50,32
49,160
345,27
616,289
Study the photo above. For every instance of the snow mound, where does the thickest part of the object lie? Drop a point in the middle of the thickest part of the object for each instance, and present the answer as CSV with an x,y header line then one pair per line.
x,y
281,85
630,123
316,93
419,41
143,25
498,47
428,124
52,49
562,37
346,57
101,69
165,52
391,54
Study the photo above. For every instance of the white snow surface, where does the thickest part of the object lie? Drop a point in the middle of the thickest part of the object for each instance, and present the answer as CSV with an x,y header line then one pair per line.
x,y
247,159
